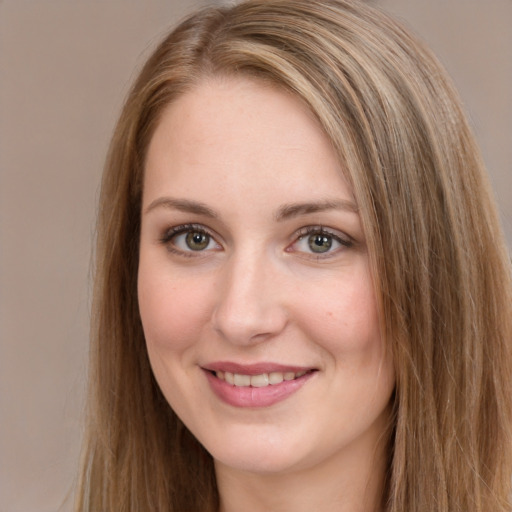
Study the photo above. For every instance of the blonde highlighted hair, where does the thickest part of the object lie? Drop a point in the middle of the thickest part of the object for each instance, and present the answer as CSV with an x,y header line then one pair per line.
x,y
441,269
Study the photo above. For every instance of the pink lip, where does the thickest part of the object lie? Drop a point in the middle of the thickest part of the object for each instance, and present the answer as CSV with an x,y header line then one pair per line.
x,y
252,396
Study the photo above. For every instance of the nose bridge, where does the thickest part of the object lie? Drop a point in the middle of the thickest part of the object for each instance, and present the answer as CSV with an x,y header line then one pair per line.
x,y
249,308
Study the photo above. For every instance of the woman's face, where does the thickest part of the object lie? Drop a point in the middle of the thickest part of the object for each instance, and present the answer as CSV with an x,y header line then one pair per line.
x,y
254,285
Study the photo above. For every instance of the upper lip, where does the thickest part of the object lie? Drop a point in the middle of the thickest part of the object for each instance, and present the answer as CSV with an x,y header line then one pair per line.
x,y
254,368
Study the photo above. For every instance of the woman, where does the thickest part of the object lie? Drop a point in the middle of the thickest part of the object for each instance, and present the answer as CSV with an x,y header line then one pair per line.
x,y
303,297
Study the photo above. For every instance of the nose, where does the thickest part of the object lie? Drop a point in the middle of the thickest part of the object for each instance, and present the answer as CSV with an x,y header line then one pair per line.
x,y
249,307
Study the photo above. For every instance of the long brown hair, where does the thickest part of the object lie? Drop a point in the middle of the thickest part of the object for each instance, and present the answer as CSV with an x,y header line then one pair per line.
x,y
441,269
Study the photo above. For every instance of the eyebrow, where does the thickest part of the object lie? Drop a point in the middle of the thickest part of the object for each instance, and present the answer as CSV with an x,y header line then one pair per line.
x,y
285,212
289,211
184,205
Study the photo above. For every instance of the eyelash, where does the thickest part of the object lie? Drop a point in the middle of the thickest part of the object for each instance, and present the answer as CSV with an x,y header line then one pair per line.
x,y
173,232
302,233
345,242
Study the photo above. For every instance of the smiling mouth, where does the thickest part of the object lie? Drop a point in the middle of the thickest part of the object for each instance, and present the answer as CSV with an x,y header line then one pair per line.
x,y
259,381
255,385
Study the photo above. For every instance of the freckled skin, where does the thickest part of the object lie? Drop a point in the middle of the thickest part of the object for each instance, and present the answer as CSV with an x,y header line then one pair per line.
x,y
257,293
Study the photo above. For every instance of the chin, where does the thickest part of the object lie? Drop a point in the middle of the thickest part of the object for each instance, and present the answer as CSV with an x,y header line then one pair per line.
x,y
260,454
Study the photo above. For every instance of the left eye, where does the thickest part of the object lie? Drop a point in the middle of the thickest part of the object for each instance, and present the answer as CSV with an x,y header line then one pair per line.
x,y
197,241
320,242
189,239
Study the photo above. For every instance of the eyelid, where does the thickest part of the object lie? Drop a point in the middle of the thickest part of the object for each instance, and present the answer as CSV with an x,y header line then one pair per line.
x,y
173,231
342,238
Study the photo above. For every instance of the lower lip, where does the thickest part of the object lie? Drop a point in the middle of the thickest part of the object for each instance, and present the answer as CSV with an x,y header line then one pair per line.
x,y
239,396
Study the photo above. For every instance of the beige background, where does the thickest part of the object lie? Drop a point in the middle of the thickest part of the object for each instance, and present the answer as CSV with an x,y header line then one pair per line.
x,y
65,67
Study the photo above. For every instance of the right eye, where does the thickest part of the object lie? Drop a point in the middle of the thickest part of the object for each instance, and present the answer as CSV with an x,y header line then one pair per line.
x,y
189,239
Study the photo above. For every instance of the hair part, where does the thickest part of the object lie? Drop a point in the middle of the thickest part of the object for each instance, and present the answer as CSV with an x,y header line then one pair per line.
x,y
439,262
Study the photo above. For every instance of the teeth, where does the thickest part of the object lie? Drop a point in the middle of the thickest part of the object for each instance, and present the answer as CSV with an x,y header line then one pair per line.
x,y
258,381
275,378
242,380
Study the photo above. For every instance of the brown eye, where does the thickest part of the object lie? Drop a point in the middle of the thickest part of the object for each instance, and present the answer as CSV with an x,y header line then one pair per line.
x,y
320,242
189,240
197,241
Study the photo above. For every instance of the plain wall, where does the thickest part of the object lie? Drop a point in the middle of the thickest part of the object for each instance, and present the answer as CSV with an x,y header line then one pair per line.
x,y
65,67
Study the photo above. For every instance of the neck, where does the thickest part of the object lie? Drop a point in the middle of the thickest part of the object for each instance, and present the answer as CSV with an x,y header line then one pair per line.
x,y
348,482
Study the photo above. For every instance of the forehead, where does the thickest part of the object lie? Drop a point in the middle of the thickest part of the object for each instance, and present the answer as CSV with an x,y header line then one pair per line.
x,y
242,133
229,108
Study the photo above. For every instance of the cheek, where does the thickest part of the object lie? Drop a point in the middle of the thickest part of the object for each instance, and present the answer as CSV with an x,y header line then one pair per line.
x,y
342,315
172,311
